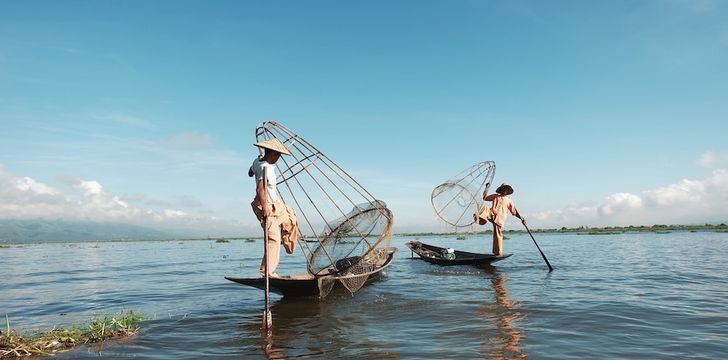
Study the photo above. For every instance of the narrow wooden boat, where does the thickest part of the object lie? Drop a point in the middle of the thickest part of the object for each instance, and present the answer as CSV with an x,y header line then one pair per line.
x,y
435,254
307,284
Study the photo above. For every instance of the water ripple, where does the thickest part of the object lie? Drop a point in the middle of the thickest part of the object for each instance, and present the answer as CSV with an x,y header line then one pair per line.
x,y
624,296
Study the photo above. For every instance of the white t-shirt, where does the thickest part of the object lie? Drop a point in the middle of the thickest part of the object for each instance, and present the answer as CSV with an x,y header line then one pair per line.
x,y
263,170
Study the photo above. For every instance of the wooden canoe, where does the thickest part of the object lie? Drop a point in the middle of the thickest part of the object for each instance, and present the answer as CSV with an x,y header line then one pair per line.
x,y
305,284
434,254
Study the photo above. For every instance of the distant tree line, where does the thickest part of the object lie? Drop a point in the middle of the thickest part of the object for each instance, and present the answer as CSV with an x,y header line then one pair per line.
x,y
584,230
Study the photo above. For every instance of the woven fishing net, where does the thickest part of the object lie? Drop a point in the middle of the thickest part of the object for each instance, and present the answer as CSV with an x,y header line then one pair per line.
x,y
353,238
344,230
353,277
356,276
456,200
325,285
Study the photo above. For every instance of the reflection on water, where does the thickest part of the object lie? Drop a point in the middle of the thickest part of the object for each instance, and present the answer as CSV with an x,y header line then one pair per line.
x,y
301,326
503,343
338,327
292,319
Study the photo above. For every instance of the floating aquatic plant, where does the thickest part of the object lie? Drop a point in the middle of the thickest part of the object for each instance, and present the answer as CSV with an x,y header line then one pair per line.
x,y
58,339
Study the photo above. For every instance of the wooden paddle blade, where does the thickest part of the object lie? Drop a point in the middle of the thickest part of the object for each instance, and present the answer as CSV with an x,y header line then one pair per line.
x,y
538,247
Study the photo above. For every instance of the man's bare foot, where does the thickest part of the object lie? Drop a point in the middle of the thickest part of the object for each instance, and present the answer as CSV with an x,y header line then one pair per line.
x,y
273,275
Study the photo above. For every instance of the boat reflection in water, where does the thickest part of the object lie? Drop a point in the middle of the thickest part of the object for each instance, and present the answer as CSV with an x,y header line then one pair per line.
x,y
502,342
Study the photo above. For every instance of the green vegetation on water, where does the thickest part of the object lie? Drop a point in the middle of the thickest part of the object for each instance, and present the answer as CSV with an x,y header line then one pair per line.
x,y
13,344
583,230
609,230
221,239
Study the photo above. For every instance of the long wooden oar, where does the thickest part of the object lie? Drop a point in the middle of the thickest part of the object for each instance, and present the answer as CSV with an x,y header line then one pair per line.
x,y
267,320
538,247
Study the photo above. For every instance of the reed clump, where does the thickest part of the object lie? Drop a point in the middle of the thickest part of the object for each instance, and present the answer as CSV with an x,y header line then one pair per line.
x,y
59,339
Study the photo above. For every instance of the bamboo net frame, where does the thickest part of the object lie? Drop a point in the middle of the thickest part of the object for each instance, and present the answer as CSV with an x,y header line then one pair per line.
x,y
342,227
456,200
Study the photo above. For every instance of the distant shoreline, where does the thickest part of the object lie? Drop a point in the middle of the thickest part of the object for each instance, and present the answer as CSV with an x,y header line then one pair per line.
x,y
583,230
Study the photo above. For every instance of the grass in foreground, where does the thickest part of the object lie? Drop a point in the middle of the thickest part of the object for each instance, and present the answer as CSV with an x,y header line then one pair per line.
x,y
59,339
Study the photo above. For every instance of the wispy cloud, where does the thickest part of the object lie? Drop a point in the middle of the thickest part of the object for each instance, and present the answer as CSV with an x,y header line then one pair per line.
x,y
713,160
125,119
188,141
190,202
697,6
185,201
685,35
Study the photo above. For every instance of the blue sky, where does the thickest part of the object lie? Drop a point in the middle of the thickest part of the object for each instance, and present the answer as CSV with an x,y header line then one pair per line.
x,y
599,113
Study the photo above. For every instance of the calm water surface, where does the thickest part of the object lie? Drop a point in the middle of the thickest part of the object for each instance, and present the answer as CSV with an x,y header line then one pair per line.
x,y
627,296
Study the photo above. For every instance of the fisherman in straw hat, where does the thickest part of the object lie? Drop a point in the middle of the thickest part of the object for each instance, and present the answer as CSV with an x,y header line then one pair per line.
x,y
497,214
266,204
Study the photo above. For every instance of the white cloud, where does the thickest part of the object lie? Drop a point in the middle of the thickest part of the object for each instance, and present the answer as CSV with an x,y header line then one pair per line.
x,y
30,185
27,198
571,215
685,202
20,195
619,202
686,191
89,188
174,214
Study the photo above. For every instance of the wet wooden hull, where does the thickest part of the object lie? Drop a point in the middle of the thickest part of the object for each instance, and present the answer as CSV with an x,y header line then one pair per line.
x,y
433,254
297,285
305,284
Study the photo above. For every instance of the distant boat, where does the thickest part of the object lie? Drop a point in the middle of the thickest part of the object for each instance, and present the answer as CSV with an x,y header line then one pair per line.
x,y
435,254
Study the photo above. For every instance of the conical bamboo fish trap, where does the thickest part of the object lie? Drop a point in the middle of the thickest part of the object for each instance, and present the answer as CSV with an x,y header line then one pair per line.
x,y
345,231
456,201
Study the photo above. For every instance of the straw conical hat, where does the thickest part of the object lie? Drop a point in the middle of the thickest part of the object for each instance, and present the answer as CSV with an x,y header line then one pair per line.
x,y
504,189
273,144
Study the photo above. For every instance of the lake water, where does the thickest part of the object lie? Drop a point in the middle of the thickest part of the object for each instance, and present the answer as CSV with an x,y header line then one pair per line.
x,y
626,296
